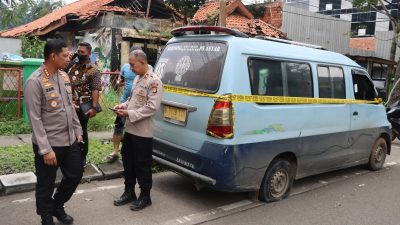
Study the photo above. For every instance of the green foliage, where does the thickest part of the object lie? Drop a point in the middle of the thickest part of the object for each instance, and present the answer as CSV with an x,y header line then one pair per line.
x,y
32,47
13,14
13,127
212,17
19,159
105,119
187,7
257,10
363,4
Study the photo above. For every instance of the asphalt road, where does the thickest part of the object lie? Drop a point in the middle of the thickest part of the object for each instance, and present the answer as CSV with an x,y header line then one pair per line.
x,y
352,196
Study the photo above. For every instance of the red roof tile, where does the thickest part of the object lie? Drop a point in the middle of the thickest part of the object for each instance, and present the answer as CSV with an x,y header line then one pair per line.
x,y
238,19
83,9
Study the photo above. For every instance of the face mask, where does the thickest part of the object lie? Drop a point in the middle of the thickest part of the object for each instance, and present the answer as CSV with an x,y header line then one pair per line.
x,y
81,57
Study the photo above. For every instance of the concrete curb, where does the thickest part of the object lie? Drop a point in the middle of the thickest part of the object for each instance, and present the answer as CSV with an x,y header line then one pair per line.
x,y
112,170
24,182
16,183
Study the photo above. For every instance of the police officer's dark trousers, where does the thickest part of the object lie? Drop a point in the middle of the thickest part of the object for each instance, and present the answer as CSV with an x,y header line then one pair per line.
x,y
69,160
137,159
83,119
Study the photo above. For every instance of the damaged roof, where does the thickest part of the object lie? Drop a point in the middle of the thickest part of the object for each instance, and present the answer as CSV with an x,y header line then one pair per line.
x,y
238,17
84,10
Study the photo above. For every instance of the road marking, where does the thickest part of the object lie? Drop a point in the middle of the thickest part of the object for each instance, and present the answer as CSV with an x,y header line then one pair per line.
x,y
23,200
216,213
390,164
77,192
235,205
102,188
323,182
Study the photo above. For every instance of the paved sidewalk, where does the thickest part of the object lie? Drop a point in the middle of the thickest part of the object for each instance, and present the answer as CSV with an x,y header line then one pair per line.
x,y
20,139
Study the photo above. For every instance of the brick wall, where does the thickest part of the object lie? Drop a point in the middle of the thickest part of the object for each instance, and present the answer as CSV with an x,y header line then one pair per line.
x,y
273,14
367,43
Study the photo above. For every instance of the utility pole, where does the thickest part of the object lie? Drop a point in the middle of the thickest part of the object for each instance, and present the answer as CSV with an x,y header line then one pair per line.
x,y
222,13
148,8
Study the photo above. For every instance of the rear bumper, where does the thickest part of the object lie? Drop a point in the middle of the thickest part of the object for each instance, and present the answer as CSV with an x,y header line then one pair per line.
x,y
214,165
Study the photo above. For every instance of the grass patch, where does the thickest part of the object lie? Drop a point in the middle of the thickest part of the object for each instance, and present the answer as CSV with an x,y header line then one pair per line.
x,y
13,127
105,120
20,159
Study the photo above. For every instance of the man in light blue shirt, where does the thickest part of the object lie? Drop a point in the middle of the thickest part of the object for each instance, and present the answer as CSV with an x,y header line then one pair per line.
x,y
126,77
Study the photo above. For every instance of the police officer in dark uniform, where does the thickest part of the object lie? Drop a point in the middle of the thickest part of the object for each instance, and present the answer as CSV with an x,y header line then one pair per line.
x,y
56,133
86,84
137,146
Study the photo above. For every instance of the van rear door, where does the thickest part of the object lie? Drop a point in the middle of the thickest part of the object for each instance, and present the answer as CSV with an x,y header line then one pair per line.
x,y
192,65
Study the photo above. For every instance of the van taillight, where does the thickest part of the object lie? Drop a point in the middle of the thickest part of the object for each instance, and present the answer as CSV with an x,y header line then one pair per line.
x,y
220,123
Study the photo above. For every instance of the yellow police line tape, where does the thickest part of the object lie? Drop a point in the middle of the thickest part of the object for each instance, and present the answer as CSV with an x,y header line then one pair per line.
x,y
268,99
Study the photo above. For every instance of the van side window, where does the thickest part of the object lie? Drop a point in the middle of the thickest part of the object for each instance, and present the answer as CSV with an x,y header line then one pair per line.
x,y
278,78
331,82
362,86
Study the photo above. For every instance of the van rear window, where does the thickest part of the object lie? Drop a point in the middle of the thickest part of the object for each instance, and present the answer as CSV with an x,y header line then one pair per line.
x,y
195,65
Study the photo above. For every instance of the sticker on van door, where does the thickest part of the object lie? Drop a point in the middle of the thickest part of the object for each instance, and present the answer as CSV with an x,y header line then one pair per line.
x,y
182,67
270,129
159,70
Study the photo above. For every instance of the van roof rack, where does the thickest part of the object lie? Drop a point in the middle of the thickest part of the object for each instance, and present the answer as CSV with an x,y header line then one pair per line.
x,y
201,29
290,42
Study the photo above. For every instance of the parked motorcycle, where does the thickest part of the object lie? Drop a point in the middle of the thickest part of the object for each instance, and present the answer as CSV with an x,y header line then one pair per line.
x,y
393,115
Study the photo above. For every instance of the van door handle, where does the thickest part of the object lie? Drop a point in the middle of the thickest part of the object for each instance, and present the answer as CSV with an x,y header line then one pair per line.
x,y
355,113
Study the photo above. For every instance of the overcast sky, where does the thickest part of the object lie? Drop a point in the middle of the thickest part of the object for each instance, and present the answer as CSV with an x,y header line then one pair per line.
x,y
69,1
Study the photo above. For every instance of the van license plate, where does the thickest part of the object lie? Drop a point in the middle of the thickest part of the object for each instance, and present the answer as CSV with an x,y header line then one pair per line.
x,y
174,113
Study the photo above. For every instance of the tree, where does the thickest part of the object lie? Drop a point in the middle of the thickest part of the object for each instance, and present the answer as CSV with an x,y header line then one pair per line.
x,y
187,7
25,11
379,6
32,47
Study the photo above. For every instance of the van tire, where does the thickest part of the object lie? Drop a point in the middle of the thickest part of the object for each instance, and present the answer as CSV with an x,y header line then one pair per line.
x,y
277,182
378,154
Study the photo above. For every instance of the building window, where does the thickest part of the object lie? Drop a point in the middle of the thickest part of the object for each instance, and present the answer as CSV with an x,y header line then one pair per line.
x,y
328,7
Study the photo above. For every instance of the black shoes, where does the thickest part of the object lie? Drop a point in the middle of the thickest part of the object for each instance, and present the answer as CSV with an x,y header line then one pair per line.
x,y
141,203
61,216
47,220
127,197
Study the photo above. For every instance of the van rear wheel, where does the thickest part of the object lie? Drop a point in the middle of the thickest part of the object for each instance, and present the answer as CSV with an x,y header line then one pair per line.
x,y
378,154
277,182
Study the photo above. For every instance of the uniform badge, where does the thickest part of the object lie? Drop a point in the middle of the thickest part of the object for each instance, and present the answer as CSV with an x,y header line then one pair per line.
x,y
76,72
140,99
45,80
53,95
73,78
83,77
154,87
53,103
141,92
47,84
66,79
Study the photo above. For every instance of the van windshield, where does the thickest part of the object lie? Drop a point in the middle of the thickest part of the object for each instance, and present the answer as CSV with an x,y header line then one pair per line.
x,y
195,65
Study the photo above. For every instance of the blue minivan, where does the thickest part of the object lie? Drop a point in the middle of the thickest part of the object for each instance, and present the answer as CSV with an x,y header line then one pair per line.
x,y
253,145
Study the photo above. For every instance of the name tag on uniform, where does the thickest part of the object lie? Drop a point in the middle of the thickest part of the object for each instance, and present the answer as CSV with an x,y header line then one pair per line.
x,y
50,89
